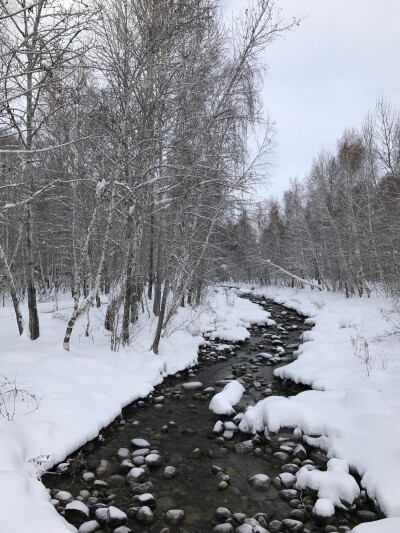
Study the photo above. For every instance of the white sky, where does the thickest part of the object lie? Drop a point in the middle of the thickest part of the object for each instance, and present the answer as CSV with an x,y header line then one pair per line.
x,y
326,75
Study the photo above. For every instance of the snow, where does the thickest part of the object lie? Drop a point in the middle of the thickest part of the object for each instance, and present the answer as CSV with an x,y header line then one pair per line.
x,y
78,506
350,359
101,184
333,485
80,392
222,403
324,507
387,525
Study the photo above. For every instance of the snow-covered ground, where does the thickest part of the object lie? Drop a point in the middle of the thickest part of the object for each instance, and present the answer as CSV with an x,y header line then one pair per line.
x,y
79,392
352,361
349,358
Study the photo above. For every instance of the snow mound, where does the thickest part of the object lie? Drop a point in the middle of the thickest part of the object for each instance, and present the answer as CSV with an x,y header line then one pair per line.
x,y
235,334
334,485
222,403
324,507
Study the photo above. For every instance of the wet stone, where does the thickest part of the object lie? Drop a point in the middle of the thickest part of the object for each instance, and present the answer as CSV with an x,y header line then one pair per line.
x,y
289,494
76,512
260,482
170,472
145,515
223,528
195,454
292,526
174,516
222,513
123,453
246,446
88,477
192,385
135,475
140,488
116,480
140,443
153,460
111,517
89,526
145,499
366,516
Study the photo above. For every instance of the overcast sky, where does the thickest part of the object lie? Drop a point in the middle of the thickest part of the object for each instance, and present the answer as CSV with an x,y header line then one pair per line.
x,y
326,75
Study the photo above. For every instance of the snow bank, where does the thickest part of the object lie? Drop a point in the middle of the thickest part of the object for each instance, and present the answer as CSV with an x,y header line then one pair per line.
x,y
353,365
223,402
79,392
388,525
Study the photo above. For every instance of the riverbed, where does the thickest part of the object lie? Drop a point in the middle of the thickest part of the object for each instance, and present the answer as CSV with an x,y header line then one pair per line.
x,y
194,468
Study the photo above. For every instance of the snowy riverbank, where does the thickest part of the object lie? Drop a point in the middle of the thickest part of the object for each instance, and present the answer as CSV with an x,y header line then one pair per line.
x,y
82,391
353,363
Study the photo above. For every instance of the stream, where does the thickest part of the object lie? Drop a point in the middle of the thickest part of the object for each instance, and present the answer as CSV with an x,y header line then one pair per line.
x,y
189,475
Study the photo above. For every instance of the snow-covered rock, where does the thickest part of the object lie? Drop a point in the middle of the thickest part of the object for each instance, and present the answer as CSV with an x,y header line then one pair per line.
x,y
222,403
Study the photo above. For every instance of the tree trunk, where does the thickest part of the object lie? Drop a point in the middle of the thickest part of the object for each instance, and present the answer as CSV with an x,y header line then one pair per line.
x,y
13,291
30,276
161,318
151,257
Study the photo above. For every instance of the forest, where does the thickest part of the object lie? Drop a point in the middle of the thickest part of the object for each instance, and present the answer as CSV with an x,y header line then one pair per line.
x,y
339,226
125,133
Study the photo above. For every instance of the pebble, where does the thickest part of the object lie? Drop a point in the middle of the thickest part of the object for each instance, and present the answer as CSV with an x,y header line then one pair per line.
x,y
145,515
288,480
291,468
222,513
140,452
105,468
135,475
281,456
170,472
260,482
88,477
174,516
125,466
64,497
218,427
153,460
289,494
366,516
293,526
140,443
300,452
192,385
145,499
195,454
89,527
123,453
246,446
116,480
223,528
76,512
275,526
141,488
111,516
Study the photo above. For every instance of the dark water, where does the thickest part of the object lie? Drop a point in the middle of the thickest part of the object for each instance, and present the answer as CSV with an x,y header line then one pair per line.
x,y
184,423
